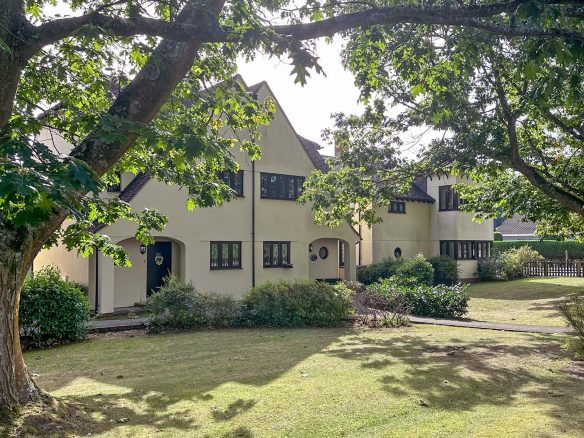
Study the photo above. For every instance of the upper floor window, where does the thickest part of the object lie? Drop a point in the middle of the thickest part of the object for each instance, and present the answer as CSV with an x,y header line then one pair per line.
x,y
225,255
448,198
115,187
277,255
397,207
466,249
234,180
276,186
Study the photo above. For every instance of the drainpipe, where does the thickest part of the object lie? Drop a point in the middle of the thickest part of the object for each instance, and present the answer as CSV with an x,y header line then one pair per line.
x,y
253,238
96,309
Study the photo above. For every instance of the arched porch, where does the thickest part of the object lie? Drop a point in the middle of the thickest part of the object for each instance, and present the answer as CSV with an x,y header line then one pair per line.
x,y
331,260
117,287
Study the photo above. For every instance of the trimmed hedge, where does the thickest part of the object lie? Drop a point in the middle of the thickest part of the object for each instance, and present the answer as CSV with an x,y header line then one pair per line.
x,y
179,306
436,301
297,304
52,309
414,271
549,249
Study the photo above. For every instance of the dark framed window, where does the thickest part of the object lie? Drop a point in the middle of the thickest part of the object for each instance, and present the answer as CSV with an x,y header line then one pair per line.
x,y
397,253
277,186
341,255
447,198
225,255
234,180
397,207
116,187
277,255
466,249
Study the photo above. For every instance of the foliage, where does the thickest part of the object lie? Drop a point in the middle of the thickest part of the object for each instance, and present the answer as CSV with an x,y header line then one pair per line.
x,y
437,301
376,271
549,249
297,304
179,306
376,310
445,270
52,310
415,271
506,112
574,315
507,265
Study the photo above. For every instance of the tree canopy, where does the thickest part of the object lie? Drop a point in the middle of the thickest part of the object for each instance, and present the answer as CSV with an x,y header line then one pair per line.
x,y
507,111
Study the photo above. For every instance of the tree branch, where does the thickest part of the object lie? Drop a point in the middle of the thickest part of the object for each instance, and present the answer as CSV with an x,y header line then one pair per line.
x,y
469,16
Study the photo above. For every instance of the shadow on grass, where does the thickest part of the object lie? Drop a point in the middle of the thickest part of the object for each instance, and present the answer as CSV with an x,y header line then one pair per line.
x,y
462,375
146,380
163,378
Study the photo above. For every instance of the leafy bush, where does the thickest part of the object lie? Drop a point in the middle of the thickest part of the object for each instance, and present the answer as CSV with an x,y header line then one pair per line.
x,y
376,310
415,271
376,271
179,306
574,314
296,304
489,268
437,301
549,249
445,270
52,310
507,265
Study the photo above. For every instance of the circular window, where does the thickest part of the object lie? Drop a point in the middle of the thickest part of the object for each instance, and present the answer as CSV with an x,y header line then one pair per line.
x,y
397,253
323,252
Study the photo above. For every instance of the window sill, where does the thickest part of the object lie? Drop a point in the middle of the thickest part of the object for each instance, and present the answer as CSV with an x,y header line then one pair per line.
x,y
279,266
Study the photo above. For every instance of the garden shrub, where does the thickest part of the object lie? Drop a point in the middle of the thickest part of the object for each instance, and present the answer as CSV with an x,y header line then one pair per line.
x,y
376,271
376,310
296,304
549,249
437,301
414,271
574,314
52,309
445,270
178,305
507,265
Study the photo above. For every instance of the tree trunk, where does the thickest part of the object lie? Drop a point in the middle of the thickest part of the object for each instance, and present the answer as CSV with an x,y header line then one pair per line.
x,y
16,385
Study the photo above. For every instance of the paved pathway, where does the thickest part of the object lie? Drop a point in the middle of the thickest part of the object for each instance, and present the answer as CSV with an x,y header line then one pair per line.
x,y
504,326
112,325
130,324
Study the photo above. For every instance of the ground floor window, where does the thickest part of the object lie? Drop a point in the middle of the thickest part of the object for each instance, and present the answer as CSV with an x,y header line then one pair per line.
x,y
225,255
466,249
277,255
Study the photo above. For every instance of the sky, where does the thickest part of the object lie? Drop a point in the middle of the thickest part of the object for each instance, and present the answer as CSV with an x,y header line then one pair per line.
x,y
308,107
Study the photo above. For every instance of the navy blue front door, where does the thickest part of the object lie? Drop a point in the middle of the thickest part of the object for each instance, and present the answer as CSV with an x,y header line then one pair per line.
x,y
159,265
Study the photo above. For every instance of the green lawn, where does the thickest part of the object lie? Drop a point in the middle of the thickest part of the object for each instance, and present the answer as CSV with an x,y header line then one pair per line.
x,y
526,301
316,383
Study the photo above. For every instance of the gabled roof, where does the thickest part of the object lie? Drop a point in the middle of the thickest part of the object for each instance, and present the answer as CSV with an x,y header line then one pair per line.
x,y
312,149
516,225
128,194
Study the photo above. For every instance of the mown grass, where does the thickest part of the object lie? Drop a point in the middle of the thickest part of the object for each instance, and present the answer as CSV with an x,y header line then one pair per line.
x,y
525,301
314,383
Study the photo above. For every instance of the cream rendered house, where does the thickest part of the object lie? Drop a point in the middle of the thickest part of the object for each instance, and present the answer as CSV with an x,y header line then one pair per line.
x,y
262,235
427,220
